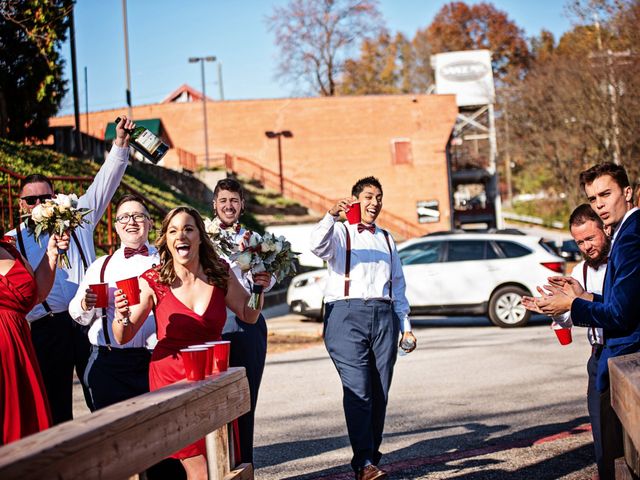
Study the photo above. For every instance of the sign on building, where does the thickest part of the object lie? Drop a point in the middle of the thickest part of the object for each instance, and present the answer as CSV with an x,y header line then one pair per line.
x,y
466,74
428,211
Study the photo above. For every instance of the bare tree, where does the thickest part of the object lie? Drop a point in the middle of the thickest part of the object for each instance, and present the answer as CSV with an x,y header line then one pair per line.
x,y
316,36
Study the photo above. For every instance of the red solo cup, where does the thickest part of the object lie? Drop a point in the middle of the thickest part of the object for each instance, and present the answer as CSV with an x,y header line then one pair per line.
x,y
131,289
210,354
195,362
563,334
102,291
220,355
353,214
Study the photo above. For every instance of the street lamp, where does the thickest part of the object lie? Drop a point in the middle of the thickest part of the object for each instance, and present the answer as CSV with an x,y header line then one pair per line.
x,y
282,133
204,103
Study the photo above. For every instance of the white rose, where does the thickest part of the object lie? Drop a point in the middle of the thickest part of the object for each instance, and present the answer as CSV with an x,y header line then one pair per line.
x,y
244,260
37,213
74,200
64,201
47,210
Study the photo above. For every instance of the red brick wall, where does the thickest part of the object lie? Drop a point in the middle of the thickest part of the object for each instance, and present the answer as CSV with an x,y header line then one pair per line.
x,y
336,141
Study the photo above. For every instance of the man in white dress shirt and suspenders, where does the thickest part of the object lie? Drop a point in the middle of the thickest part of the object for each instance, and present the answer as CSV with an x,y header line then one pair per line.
x,y
60,343
118,372
365,312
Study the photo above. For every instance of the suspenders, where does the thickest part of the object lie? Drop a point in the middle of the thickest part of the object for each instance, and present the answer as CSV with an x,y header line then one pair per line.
x,y
23,251
584,279
105,329
347,263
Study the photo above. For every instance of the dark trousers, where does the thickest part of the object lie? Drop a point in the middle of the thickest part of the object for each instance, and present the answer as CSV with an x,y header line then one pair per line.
x,y
61,344
117,374
605,425
361,337
248,350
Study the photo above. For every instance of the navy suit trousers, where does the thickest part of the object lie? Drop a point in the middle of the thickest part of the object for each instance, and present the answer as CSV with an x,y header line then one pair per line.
x,y
117,374
248,350
361,337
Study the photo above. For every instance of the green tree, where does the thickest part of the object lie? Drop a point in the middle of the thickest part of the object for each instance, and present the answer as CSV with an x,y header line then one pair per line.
x,y
315,38
31,68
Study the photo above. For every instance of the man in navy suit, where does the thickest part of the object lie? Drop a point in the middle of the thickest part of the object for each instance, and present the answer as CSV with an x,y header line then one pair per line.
x,y
617,310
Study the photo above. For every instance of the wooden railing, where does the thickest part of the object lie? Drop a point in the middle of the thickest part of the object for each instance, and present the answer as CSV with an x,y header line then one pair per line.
x,y
104,232
307,197
624,373
129,437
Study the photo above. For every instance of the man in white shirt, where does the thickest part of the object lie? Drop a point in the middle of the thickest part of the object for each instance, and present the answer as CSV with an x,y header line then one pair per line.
x,y
365,311
60,343
248,341
118,372
587,230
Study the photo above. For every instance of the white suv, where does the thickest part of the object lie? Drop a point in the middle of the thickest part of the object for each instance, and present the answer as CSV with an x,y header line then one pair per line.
x,y
458,274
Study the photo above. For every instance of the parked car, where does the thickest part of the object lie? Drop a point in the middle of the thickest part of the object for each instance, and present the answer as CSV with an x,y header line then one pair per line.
x,y
458,274
569,250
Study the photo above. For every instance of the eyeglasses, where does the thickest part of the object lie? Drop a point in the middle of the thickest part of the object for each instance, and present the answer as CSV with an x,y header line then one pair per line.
x,y
33,199
137,217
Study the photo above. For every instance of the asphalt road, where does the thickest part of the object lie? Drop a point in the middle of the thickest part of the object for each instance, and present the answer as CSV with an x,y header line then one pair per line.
x,y
473,401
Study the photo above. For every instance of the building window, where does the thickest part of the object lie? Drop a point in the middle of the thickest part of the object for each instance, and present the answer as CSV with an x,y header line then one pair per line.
x,y
401,151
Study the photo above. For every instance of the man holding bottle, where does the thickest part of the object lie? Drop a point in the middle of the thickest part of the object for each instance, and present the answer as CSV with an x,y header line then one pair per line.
x,y
365,311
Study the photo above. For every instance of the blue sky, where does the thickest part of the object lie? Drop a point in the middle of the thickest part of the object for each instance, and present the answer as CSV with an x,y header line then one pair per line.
x,y
163,34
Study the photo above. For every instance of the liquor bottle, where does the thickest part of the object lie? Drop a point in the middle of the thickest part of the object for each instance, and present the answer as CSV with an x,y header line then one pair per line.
x,y
145,142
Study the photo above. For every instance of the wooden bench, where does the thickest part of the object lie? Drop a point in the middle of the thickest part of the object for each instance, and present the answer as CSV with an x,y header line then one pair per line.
x,y
129,437
624,372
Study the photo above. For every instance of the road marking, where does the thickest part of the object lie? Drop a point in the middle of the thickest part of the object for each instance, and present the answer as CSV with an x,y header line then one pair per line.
x,y
462,454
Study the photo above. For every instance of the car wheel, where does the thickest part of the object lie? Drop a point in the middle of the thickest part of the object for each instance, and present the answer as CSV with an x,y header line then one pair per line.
x,y
506,309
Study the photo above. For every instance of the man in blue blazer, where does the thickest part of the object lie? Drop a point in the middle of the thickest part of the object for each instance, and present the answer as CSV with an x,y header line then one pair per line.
x,y
617,310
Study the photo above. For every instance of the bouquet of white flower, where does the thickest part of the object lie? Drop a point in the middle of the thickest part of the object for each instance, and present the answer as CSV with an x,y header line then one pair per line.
x,y
222,239
266,253
56,216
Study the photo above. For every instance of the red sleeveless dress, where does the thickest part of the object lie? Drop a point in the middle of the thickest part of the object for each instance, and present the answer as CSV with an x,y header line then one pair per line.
x,y
24,408
178,327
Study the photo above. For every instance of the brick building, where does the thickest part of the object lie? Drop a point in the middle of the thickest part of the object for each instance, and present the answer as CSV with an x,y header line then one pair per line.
x,y
401,139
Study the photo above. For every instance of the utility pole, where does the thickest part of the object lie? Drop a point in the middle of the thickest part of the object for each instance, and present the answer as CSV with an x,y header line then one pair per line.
x,y
220,81
86,97
204,103
74,79
126,56
613,97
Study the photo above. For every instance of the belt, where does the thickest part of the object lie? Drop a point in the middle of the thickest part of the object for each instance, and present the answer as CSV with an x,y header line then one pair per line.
x,y
366,301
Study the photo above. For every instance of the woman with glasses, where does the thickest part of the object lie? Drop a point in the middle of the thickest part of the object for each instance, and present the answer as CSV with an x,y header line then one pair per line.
x,y
189,292
24,408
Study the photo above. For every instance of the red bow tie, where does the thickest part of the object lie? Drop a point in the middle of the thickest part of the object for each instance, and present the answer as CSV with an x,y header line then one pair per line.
x,y
235,227
130,252
370,228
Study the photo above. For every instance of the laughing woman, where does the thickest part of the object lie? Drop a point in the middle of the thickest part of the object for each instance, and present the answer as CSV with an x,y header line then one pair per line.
x,y
190,291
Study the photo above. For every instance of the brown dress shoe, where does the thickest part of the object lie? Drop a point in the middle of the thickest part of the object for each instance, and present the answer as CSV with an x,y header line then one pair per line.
x,y
371,472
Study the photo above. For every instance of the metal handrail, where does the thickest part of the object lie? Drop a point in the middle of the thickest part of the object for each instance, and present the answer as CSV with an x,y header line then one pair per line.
x,y
309,198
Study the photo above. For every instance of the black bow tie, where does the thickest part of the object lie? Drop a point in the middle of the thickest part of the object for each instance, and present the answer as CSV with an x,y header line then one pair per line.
x,y
370,228
130,252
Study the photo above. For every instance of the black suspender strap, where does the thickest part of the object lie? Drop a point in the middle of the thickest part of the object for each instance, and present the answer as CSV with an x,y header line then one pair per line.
x,y
386,237
23,251
105,329
77,242
347,263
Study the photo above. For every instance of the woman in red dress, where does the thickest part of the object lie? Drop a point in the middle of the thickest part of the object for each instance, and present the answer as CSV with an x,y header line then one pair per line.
x,y
24,408
190,291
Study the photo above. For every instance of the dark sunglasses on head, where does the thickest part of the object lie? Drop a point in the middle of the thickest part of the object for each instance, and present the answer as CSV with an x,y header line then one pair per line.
x,y
33,199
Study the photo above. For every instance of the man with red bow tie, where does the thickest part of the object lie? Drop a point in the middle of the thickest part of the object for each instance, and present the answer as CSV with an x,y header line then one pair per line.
x,y
365,312
118,372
